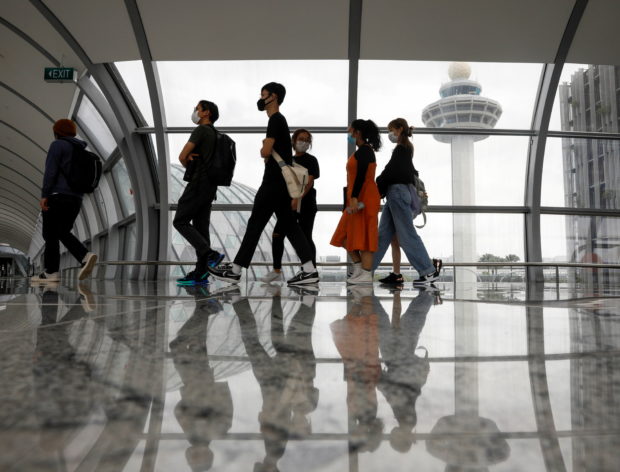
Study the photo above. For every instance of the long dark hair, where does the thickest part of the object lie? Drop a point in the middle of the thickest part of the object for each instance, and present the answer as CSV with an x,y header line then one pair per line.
x,y
407,132
369,131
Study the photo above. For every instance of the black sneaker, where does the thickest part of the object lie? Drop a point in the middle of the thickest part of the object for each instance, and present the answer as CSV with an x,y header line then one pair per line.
x,y
192,278
392,279
215,259
426,279
224,273
302,278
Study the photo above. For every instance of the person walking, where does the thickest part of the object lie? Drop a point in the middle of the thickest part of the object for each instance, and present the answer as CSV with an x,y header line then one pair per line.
x,y
302,141
193,214
60,206
396,184
357,228
272,197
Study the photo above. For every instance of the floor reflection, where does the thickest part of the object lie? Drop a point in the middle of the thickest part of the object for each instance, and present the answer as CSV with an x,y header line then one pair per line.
x,y
121,375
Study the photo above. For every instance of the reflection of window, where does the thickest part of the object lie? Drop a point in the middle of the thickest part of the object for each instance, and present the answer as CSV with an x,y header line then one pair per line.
x,y
123,188
98,131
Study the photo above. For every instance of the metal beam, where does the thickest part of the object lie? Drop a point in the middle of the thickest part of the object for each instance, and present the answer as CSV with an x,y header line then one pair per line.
x,y
35,184
159,121
355,39
10,182
536,153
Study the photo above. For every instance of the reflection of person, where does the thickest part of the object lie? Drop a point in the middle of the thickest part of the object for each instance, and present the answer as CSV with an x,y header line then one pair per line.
x,y
64,388
302,141
286,380
357,339
396,226
205,410
60,206
272,197
405,371
357,228
193,214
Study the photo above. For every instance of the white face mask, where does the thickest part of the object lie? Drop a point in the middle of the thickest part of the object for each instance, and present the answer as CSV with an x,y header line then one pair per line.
x,y
392,137
195,117
302,146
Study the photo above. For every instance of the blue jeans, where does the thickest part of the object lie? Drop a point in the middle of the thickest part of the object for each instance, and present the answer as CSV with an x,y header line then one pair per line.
x,y
397,218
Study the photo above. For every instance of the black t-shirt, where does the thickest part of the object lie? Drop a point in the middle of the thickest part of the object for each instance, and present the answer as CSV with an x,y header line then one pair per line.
x,y
277,128
204,138
310,163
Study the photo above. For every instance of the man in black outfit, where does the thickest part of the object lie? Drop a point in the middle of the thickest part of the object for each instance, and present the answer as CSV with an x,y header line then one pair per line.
x,y
272,197
193,214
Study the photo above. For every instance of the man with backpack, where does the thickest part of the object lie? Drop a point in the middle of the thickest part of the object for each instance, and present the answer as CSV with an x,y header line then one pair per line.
x,y
60,204
193,214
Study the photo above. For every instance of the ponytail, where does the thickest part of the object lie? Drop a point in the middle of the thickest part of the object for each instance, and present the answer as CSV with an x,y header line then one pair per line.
x,y
406,133
369,131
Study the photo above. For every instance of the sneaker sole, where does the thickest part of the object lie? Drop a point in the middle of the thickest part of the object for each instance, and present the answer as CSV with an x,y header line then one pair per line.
x,y
224,279
88,268
360,282
426,282
313,280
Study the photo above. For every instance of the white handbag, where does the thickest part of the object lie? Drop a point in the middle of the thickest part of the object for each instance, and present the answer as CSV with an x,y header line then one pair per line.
x,y
295,176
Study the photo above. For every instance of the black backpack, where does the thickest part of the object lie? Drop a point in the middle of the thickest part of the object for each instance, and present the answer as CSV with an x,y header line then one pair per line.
x,y
85,169
221,165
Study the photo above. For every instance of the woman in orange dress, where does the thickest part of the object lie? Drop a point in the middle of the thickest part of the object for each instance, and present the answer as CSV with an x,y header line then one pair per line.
x,y
357,230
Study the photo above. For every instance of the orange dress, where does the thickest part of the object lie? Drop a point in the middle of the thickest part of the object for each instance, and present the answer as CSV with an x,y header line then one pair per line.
x,y
358,231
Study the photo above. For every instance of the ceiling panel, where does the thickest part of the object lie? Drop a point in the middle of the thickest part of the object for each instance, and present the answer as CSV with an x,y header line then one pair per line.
x,y
598,37
23,71
22,116
25,17
239,29
475,30
101,27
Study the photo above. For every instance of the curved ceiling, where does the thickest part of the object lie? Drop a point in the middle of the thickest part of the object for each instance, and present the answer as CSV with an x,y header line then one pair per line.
x,y
476,30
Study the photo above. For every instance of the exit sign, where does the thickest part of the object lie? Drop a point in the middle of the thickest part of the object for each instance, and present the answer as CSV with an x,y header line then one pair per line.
x,y
59,74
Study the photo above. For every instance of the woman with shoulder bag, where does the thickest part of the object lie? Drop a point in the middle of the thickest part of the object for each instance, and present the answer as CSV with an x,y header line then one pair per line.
x,y
396,225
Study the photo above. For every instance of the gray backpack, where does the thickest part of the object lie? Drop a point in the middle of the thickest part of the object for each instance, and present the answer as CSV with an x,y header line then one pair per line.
x,y
419,199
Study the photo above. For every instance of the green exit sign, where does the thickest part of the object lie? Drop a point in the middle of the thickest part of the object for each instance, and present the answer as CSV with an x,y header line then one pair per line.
x,y
59,74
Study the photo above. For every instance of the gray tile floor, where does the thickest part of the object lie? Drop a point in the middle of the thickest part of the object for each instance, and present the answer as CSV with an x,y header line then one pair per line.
x,y
142,376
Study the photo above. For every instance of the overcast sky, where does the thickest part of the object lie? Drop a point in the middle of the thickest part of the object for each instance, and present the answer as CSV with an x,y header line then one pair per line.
x,y
317,96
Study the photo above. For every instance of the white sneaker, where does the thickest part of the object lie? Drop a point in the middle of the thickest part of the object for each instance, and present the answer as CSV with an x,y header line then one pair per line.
x,y
88,264
364,277
271,277
45,277
356,268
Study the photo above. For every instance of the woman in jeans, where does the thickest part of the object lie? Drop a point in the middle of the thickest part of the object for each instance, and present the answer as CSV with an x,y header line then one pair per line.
x,y
395,184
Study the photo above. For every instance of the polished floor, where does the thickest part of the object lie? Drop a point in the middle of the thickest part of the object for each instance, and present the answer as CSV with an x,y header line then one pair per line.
x,y
143,376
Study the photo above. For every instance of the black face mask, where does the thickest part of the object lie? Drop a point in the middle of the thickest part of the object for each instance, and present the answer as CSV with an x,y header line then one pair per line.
x,y
260,104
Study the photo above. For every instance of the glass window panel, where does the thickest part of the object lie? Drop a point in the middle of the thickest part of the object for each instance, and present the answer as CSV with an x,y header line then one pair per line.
x,y
497,164
414,85
587,99
235,87
124,188
570,238
581,173
132,73
97,129
105,199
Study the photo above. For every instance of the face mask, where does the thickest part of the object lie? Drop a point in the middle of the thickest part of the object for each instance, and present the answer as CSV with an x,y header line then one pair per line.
x,y
302,146
195,117
351,139
392,137
261,103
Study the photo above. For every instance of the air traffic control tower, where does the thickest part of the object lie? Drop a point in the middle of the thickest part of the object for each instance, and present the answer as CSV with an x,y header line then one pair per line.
x,y
462,106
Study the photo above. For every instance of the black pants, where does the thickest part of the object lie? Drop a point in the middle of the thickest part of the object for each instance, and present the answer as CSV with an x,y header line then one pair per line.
x,y
193,215
272,199
305,219
58,222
